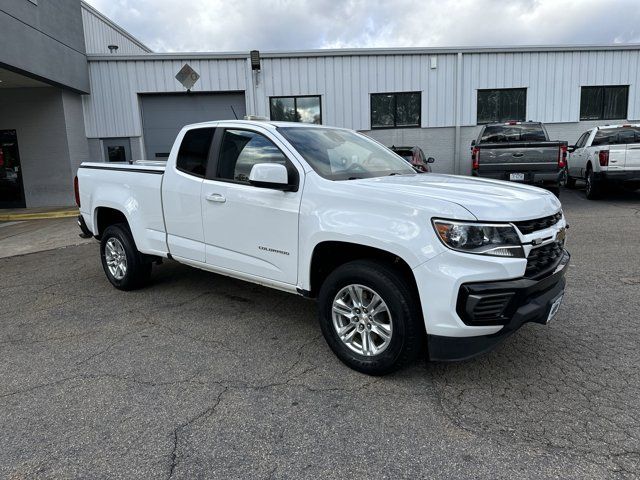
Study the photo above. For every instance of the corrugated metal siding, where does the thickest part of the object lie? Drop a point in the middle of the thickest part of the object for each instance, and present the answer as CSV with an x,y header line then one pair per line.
x,y
345,84
98,35
553,80
112,109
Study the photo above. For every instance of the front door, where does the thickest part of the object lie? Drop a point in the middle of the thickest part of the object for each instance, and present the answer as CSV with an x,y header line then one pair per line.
x,y
11,190
248,229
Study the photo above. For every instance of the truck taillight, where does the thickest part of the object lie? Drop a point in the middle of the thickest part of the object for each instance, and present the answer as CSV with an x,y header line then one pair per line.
x,y
76,190
603,158
562,156
475,158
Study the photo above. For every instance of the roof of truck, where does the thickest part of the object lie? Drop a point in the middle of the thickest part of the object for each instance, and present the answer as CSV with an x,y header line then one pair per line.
x,y
261,123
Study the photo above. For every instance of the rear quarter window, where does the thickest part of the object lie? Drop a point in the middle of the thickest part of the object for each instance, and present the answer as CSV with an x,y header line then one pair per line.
x,y
194,151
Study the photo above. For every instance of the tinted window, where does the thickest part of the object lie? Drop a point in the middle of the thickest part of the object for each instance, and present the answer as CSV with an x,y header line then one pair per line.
x,y
502,105
305,109
582,140
241,150
341,154
604,102
395,109
617,136
194,151
513,133
116,154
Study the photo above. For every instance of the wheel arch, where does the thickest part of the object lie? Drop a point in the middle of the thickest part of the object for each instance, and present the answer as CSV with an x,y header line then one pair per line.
x,y
104,216
330,254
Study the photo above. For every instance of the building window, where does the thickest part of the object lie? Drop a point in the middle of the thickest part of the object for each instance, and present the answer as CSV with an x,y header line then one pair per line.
x,y
303,108
393,110
501,105
604,102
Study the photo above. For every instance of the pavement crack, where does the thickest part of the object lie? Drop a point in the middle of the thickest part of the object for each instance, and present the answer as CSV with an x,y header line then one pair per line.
x,y
175,458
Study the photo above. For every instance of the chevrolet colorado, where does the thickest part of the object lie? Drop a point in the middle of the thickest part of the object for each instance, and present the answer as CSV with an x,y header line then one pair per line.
x,y
397,260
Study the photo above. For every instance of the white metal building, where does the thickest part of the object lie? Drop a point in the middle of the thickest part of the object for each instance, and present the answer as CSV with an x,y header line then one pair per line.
x,y
447,82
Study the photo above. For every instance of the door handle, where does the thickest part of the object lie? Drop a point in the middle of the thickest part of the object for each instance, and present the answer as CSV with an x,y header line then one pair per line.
x,y
518,155
216,197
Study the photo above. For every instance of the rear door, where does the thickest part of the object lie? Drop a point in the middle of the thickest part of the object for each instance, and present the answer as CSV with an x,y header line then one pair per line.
x,y
632,159
611,140
182,194
249,229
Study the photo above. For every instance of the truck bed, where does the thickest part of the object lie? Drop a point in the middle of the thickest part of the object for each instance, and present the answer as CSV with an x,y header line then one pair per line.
x,y
135,186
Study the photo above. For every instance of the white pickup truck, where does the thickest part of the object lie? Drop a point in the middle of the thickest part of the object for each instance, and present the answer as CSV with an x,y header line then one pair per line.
x,y
397,260
604,156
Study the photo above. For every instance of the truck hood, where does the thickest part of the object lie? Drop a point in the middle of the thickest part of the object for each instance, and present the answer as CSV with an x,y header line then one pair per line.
x,y
486,199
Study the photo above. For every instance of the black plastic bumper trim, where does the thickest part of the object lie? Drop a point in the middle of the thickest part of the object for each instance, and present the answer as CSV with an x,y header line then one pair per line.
x,y
531,303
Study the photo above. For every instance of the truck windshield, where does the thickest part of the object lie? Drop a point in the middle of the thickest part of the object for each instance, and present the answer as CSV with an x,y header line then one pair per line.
x,y
344,155
513,133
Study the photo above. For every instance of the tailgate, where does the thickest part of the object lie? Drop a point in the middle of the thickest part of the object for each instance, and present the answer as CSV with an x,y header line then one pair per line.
x,y
512,156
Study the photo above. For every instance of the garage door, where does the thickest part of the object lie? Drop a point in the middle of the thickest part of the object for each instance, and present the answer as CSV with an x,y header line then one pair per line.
x,y
164,115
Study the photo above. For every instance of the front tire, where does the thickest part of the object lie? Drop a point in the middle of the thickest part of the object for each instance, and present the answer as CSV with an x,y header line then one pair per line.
x,y
125,267
370,318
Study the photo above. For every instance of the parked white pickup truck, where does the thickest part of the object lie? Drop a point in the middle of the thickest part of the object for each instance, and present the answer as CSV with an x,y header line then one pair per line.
x,y
603,156
396,259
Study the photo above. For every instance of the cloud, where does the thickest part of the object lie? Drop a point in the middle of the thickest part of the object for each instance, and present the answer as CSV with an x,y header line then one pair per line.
x,y
240,25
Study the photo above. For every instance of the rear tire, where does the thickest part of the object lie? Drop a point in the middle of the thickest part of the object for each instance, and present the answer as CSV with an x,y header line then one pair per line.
x,y
376,313
125,267
593,187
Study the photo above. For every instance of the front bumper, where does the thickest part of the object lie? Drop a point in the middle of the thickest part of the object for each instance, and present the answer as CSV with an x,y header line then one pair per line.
x,y
525,300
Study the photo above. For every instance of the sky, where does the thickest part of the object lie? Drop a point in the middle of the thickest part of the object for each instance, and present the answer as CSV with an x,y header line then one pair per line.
x,y
241,25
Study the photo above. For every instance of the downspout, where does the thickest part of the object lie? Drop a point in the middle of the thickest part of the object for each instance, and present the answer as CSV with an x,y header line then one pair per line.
x,y
457,161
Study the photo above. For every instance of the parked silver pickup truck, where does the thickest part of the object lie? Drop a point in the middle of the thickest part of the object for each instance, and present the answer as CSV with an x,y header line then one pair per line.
x,y
519,152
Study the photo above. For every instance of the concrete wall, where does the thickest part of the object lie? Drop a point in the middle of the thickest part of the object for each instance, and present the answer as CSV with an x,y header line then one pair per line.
x,y
49,126
74,129
45,40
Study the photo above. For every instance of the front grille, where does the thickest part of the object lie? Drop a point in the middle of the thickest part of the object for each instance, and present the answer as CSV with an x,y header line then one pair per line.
x,y
543,258
529,226
490,307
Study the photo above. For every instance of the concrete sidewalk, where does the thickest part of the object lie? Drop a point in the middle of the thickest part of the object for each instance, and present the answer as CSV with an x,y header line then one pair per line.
x,y
28,236
10,215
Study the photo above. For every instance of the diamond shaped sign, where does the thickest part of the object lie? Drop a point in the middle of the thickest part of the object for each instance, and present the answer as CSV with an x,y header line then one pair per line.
x,y
187,76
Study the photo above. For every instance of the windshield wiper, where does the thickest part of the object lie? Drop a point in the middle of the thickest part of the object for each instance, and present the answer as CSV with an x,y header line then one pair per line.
x,y
354,178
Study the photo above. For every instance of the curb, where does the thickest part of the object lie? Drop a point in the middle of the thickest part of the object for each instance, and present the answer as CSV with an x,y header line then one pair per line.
x,y
38,216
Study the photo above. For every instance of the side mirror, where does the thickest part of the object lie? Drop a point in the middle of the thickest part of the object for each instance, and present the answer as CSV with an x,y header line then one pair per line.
x,y
270,175
571,148
431,160
473,143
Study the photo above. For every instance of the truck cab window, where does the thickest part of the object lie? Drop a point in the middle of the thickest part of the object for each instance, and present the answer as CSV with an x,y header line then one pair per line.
x,y
194,151
242,149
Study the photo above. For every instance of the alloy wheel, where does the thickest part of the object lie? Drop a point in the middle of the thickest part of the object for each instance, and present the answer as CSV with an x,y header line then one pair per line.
x,y
362,320
116,258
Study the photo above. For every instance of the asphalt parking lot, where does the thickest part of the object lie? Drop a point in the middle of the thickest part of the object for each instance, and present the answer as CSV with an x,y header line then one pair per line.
x,y
200,376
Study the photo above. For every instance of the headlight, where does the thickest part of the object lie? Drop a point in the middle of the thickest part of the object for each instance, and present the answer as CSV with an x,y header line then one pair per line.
x,y
499,240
